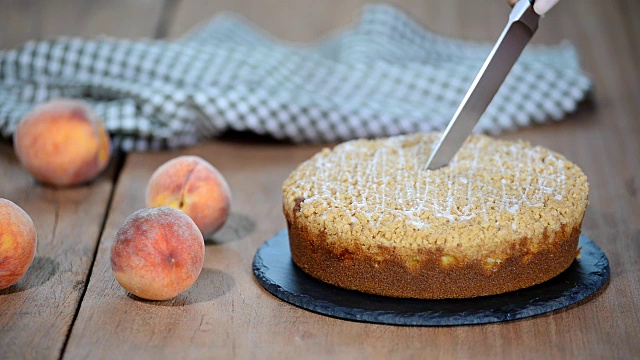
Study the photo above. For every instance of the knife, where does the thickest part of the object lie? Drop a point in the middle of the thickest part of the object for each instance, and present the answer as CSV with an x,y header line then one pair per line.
x,y
523,23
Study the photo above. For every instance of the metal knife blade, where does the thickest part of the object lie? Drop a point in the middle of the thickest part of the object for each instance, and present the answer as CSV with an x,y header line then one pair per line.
x,y
523,23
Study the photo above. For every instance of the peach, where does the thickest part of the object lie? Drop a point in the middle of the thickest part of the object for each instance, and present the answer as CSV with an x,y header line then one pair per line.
x,y
17,243
62,142
194,186
158,253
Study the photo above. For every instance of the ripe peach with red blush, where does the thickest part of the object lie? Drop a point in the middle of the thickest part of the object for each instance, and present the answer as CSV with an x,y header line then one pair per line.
x,y
191,184
62,142
18,241
158,253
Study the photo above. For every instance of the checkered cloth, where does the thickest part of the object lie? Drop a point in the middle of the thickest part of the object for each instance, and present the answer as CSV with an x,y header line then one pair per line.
x,y
385,76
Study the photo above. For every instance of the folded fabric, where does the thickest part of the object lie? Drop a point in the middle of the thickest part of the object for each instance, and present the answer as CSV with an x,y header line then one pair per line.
x,y
385,76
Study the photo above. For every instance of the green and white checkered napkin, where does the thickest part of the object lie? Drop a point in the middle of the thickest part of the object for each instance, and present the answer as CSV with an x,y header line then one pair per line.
x,y
385,76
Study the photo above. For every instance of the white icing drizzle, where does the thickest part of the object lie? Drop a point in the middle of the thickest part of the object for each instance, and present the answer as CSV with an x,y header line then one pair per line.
x,y
390,182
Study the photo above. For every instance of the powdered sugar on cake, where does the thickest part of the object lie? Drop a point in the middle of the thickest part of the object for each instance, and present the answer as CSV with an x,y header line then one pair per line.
x,y
381,189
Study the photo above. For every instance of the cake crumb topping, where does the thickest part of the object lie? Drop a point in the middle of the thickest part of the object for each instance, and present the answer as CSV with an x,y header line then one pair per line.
x,y
379,193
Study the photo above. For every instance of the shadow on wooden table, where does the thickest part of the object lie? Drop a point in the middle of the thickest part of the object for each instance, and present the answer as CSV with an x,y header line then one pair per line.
x,y
210,285
237,227
42,269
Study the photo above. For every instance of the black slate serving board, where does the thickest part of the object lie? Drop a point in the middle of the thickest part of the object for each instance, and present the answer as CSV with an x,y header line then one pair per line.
x,y
277,273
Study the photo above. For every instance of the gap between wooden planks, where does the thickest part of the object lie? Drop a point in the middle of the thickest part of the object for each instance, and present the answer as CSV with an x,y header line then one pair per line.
x,y
227,314
36,314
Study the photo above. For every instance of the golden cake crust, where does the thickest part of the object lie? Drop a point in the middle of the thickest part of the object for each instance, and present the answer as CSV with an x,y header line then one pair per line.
x,y
423,251
357,269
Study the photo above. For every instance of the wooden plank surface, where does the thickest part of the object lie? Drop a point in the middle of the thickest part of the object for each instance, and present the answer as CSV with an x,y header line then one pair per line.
x,y
309,20
44,19
225,303
37,312
227,314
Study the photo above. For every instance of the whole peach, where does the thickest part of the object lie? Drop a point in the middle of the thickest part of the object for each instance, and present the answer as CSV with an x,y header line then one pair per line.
x,y
194,186
62,142
18,241
158,253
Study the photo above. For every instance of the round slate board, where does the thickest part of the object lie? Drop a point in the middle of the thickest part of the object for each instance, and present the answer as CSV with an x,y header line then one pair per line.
x,y
277,273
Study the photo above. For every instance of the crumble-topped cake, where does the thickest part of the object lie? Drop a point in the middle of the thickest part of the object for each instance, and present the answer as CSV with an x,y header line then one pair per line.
x,y
369,216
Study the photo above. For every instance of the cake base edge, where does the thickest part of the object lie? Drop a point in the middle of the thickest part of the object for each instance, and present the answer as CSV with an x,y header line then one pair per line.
x,y
355,268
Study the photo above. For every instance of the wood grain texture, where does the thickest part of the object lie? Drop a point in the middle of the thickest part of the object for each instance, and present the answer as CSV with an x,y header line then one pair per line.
x,y
241,322
309,20
44,19
227,314
225,302
36,313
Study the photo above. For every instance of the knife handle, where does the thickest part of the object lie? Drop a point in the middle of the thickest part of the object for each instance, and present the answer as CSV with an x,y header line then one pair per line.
x,y
542,6
539,6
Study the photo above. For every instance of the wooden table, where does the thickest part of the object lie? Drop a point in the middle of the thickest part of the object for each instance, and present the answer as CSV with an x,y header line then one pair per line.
x,y
69,305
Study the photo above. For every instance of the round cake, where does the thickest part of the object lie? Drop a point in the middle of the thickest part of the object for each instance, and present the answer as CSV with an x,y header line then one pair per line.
x,y
369,216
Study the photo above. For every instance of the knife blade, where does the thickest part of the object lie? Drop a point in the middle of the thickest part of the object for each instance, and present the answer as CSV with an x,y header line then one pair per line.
x,y
523,23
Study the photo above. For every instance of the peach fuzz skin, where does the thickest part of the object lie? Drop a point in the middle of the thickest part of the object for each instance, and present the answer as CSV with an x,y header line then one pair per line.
x,y
191,184
18,242
157,253
62,142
